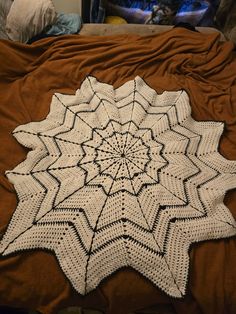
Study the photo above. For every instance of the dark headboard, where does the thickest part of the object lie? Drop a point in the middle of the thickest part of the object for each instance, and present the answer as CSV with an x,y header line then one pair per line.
x,y
86,11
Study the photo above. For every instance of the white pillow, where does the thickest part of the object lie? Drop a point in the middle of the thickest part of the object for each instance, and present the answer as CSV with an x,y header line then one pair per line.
x,y
28,18
5,6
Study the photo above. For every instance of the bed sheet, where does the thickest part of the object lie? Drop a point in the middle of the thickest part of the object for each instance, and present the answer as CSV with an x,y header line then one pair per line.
x,y
178,59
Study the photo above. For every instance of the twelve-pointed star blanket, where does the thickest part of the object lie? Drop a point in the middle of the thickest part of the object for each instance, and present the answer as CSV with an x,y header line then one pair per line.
x,y
120,177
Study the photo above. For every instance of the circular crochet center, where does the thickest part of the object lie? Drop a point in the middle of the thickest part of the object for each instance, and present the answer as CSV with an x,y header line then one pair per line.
x,y
120,178
124,158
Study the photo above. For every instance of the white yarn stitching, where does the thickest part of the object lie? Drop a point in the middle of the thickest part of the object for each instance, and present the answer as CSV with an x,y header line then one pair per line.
x,y
120,177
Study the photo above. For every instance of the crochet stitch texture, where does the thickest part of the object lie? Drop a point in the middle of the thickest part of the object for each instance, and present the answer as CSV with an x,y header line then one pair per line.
x,y
120,177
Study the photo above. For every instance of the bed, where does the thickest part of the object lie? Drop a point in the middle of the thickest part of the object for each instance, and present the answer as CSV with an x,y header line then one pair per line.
x,y
198,65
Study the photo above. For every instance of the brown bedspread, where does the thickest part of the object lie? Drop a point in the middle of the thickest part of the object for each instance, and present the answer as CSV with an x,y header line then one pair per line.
x,y
177,59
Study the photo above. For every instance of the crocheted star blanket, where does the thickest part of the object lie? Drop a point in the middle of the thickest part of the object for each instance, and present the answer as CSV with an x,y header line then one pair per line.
x,y
120,177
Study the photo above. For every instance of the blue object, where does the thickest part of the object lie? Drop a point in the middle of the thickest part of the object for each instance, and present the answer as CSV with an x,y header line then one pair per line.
x,y
193,5
65,24
144,5
97,12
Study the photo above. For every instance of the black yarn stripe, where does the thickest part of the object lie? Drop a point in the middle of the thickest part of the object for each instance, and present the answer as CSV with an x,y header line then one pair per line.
x,y
91,245
149,103
75,211
102,101
158,182
76,115
141,210
163,115
53,207
70,225
121,237
131,116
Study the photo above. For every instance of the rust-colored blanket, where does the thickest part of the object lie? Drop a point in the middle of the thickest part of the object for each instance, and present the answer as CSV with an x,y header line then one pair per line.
x,y
177,59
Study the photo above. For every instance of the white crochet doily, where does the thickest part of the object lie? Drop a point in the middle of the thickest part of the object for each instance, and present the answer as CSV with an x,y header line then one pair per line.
x,y
120,177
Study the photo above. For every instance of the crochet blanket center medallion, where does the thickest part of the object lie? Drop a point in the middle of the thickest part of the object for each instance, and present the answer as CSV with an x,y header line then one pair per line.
x,y
120,177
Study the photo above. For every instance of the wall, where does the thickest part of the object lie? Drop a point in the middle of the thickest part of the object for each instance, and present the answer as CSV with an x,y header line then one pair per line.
x,y
68,6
